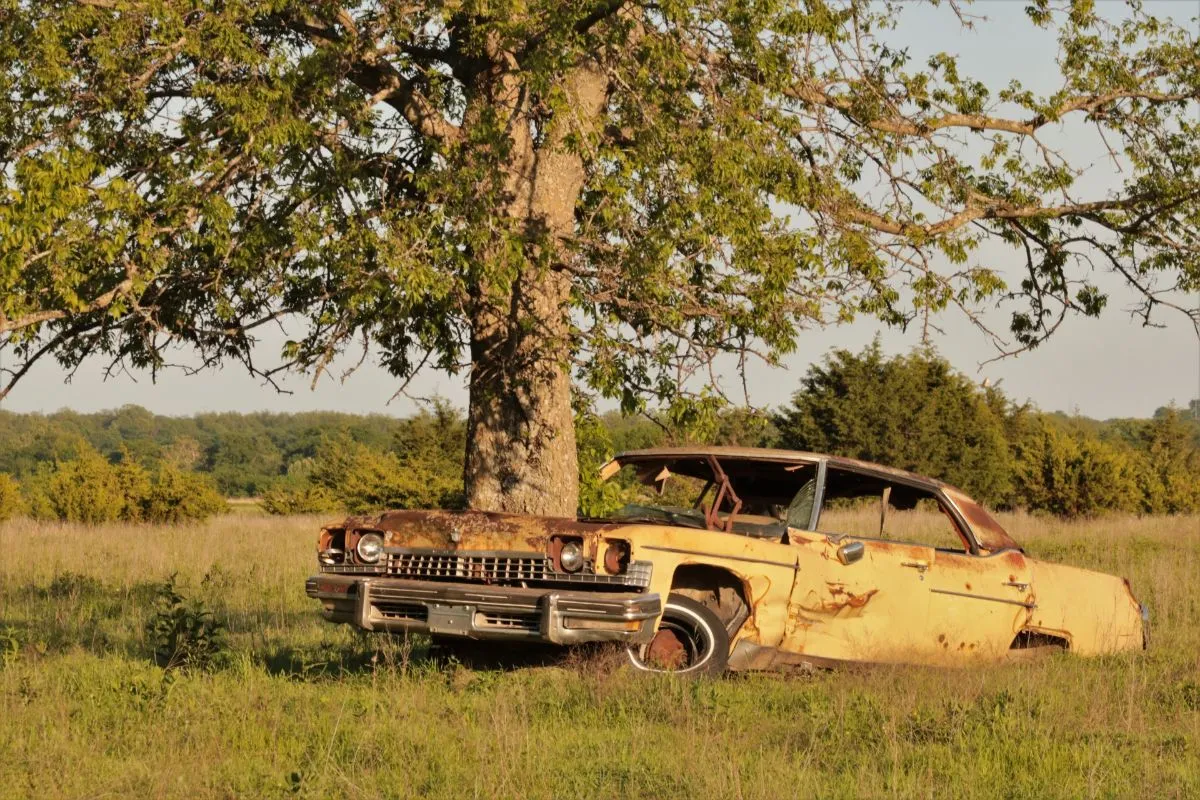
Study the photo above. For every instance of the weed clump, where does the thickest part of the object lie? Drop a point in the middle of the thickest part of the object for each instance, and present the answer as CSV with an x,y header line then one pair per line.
x,y
10,646
184,634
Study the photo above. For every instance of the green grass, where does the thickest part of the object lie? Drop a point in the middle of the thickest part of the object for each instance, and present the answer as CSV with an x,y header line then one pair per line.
x,y
299,708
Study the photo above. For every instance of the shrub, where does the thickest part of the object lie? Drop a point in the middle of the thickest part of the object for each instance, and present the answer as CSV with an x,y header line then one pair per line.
x,y
1169,481
309,499
134,483
84,489
175,496
11,501
363,479
1072,475
182,632
914,412
91,490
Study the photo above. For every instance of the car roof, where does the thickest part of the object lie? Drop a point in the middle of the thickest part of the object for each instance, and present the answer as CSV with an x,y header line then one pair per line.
x,y
987,531
768,454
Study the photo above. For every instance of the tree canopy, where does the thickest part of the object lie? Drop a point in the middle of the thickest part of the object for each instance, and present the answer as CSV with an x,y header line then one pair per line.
x,y
604,193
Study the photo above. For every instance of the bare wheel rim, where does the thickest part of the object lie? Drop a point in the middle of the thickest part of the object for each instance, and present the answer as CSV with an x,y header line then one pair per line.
x,y
694,640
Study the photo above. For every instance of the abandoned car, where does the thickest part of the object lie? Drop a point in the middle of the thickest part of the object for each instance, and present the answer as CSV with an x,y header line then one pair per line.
x,y
731,558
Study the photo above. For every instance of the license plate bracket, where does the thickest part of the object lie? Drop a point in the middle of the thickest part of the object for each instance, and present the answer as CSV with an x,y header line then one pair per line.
x,y
454,620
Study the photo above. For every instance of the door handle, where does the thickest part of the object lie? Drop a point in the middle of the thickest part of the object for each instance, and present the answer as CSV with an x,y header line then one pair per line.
x,y
1016,585
919,566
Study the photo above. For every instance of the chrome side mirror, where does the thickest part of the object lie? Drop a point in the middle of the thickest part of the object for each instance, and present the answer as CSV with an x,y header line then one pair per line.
x,y
851,552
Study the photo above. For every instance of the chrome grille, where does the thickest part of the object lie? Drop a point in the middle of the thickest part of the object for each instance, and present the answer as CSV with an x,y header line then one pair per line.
x,y
495,567
486,568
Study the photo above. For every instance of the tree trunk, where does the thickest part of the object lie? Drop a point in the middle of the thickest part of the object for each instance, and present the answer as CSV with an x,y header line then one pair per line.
x,y
520,426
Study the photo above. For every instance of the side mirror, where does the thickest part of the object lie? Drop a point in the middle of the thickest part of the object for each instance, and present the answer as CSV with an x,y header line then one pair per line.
x,y
851,552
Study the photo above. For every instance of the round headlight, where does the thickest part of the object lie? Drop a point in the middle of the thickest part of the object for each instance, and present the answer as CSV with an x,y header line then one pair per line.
x,y
369,548
570,558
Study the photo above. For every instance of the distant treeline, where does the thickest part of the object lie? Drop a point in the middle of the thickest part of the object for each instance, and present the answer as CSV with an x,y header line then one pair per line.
x,y
912,411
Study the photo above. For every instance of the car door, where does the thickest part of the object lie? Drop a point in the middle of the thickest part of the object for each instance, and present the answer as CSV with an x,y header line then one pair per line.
x,y
868,602
978,603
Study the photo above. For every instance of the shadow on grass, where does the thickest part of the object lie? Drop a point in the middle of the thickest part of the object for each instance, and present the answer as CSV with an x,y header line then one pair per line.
x,y
370,653
79,611
76,611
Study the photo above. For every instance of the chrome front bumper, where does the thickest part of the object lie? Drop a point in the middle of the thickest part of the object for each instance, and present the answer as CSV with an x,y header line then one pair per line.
x,y
486,612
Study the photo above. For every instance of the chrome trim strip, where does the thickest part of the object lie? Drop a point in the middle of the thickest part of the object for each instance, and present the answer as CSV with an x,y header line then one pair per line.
x,y
788,564
1010,601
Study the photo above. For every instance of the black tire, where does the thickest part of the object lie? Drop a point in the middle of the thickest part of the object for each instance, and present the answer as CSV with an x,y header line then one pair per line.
x,y
697,630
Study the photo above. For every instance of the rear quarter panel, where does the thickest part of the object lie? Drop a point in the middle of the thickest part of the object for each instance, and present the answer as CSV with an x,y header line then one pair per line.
x,y
1096,613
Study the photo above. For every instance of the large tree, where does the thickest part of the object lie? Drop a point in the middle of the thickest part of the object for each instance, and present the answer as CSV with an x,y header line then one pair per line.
x,y
603,191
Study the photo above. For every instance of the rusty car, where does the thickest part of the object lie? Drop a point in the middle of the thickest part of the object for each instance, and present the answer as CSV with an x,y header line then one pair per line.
x,y
780,558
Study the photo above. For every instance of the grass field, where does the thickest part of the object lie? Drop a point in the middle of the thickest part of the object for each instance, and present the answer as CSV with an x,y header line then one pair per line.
x,y
299,708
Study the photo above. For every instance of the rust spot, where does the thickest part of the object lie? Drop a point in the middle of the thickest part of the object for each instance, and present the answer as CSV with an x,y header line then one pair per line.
x,y
989,533
851,599
968,586
962,645
839,598
616,557
666,651
941,637
1013,559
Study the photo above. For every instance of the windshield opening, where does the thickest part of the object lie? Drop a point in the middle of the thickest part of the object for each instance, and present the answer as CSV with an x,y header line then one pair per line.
x,y
753,498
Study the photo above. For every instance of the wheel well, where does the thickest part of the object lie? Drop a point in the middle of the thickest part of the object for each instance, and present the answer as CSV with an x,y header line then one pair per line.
x,y
1028,640
717,588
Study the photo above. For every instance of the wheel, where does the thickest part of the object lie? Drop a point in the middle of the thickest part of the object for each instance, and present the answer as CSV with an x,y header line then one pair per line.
x,y
691,640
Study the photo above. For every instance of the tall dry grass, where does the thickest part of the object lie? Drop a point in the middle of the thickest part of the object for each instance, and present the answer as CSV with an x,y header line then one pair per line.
x,y
303,709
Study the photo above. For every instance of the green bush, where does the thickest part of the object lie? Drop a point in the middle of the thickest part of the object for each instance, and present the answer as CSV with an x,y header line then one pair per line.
x,y
913,412
305,499
363,479
89,489
176,496
1072,475
594,446
85,489
11,501
1171,478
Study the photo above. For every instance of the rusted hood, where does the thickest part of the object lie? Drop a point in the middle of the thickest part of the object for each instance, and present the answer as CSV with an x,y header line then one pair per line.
x,y
474,530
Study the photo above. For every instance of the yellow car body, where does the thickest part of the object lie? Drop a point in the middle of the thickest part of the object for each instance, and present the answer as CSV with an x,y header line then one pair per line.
x,y
753,551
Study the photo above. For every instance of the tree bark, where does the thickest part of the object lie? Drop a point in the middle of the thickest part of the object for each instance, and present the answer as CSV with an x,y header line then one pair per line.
x,y
521,454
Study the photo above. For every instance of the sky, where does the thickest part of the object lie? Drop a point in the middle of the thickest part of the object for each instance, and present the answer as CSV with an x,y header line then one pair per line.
x,y
1103,368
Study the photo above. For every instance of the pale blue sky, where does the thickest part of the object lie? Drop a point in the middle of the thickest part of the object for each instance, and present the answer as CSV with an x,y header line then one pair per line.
x,y
1102,368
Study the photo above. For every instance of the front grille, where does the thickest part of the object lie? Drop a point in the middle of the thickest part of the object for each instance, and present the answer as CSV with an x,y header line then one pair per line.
x,y
495,568
452,566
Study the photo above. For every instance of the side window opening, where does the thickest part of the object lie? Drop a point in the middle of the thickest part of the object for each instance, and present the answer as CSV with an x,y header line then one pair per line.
x,y
872,507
